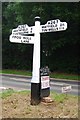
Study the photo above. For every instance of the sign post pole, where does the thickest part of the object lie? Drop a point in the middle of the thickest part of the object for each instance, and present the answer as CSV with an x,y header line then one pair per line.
x,y
35,82
20,35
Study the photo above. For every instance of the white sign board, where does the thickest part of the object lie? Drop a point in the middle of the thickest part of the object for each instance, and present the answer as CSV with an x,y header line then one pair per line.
x,y
66,89
22,39
53,26
23,29
45,82
50,26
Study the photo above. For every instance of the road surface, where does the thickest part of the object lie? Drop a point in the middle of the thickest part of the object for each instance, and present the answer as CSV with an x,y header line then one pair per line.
x,y
24,83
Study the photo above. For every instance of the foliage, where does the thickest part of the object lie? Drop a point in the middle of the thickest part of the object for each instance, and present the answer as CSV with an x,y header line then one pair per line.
x,y
59,49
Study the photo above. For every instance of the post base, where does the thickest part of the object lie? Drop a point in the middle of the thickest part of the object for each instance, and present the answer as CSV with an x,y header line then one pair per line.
x,y
45,92
47,100
35,93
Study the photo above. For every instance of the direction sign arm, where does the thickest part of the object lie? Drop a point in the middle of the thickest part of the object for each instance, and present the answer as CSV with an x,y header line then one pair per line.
x,y
53,26
22,39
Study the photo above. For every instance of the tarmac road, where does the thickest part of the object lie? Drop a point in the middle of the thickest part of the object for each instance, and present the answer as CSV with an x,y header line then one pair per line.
x,y
19,82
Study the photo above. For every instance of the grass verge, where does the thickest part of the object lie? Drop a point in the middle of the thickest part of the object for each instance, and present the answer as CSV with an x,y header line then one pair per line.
x,y
6,93
61,97
65,76
9,92
17,105
52,75
57,97
19,72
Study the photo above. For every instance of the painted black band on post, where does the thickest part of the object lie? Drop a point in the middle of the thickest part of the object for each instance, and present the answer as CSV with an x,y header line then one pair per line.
x,y
35,93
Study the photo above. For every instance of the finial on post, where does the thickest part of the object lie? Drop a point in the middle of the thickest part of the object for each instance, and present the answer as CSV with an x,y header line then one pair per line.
x,y
37,18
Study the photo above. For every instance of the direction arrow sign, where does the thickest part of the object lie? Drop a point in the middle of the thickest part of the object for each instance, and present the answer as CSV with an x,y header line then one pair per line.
x,y
22,39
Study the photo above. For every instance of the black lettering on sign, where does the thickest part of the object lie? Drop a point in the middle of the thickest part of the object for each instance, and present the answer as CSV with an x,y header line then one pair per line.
x,y
43,26
53,22
61,24
61,28
23,28
49,22
27,38
57,21
15,33
24,41
24,37
30,38
55,25
18,37
15,30
49,25
50,29
31,28
27,41
44,30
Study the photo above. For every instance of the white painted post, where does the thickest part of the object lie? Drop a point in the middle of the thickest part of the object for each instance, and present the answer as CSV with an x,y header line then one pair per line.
x,y
36,52
35,82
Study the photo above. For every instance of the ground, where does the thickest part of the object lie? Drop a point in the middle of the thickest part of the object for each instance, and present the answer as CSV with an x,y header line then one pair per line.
x,y
17,105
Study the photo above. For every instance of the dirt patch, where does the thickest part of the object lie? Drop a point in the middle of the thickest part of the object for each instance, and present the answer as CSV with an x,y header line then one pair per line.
x,y
18,106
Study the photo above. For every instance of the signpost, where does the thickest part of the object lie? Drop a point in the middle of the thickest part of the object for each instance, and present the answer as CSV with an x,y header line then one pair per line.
x,y
31,35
